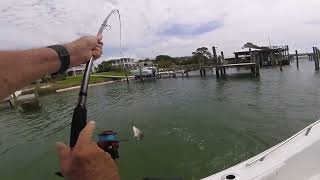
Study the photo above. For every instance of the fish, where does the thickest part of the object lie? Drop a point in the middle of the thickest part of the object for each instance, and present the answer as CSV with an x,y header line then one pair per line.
x,y
137,133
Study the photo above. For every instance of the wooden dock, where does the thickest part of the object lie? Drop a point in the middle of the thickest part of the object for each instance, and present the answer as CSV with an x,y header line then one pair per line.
x,y
24,101
28,101
238,65
253,60
7,102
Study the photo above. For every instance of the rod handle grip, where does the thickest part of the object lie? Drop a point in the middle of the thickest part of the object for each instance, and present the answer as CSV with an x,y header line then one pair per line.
x,y
79,121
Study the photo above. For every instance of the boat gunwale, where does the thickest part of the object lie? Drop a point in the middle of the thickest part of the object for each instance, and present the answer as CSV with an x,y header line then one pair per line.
x,y
267,152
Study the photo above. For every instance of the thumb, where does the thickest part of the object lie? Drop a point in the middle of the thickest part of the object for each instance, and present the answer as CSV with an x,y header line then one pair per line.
x,y
64,153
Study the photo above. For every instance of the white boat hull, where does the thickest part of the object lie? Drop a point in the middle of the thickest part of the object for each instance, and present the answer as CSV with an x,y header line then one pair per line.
x,y
297,158
145,72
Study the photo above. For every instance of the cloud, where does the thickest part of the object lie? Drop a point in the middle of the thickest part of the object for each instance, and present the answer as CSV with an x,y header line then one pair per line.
x,y
190,30
152,27
315,22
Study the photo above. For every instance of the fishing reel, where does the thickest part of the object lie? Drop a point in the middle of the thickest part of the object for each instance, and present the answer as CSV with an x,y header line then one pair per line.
x,y
108,141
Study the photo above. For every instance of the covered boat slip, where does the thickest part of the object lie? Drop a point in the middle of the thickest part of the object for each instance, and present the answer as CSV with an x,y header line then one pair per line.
x,y
296,158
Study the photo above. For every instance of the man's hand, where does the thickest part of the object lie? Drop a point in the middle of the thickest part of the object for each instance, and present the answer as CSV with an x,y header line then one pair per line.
x,y
81,50
86,161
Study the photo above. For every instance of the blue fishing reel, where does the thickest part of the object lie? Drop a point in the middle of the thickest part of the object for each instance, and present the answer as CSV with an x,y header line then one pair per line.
x,y
109,142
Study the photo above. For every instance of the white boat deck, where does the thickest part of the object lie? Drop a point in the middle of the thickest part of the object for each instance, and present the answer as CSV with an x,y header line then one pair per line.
x,y
297,158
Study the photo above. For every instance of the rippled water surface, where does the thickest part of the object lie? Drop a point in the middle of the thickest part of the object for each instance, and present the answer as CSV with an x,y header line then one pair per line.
x,y
193,127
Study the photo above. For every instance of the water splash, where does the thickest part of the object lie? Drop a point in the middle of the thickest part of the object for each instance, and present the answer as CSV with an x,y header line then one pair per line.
x,y
137,133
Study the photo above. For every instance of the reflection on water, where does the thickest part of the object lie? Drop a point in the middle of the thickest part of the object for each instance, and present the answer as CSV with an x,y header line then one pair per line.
x,y
193,126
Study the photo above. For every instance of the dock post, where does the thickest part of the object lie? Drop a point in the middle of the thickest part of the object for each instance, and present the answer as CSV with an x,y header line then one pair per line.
x,y
141,77
14,98
297,59
11,104
317,66
217,71
200,66
252,60
281,58
257,65
222,56
126,73
222,70
272,59
215,59
288,54
316,58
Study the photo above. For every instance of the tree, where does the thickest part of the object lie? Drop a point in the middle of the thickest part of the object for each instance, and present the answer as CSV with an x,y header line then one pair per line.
x,y
202,55
251,46
202,52
105,66
164,57
165,61
165,64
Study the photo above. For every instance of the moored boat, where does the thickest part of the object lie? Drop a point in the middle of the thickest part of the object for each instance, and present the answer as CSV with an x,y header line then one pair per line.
x,y
145,72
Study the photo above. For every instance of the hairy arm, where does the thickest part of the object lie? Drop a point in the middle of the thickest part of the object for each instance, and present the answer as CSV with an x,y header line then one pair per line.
x,y
20,68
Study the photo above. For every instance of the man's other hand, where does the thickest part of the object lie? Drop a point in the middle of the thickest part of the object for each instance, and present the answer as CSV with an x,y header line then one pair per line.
x,y
86,161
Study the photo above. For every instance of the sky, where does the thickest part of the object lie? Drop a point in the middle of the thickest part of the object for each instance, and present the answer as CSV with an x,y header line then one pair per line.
x,y
170,27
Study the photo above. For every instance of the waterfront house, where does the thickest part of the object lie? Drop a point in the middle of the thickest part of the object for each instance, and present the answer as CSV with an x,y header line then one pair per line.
x,y
123,63
77,70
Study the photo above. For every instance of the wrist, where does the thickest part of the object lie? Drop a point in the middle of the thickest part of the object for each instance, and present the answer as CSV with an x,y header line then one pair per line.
x,y
72,49
79,53
64,57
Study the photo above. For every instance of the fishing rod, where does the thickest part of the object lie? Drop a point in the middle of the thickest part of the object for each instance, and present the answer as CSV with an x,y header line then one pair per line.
x,y
79,119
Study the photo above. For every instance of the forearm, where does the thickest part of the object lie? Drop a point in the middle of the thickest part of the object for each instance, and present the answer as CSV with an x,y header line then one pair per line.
x,y
20,68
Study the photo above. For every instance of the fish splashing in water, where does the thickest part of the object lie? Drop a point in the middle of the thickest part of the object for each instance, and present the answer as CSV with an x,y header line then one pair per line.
x,y
137,133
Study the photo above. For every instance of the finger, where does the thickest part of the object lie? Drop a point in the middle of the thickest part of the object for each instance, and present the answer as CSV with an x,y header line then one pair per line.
x,y
96,55
64,153
98,46
86,134
99,37
97,50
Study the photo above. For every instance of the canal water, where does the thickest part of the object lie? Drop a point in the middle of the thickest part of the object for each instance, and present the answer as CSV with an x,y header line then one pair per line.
x,y
193,126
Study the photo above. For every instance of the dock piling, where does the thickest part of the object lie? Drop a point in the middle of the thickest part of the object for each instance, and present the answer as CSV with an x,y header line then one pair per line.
x,y
222,70
215,59
317,65
126,73
257,62
297,59
141,77
281,58
316,58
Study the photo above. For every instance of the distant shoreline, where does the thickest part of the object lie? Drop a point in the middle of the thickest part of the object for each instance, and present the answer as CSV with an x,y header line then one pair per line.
x,y
90,85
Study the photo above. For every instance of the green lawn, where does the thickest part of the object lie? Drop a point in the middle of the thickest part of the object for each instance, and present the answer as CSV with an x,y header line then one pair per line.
x,y
76,81
113,73
71,81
